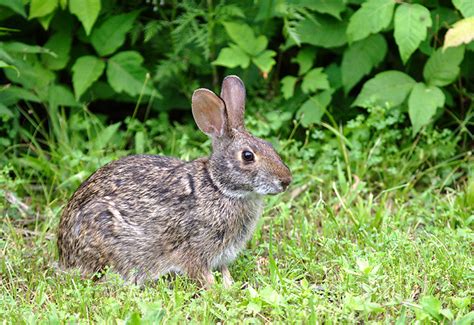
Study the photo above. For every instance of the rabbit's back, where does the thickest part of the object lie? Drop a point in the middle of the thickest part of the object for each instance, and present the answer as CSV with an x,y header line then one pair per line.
x,y
151,215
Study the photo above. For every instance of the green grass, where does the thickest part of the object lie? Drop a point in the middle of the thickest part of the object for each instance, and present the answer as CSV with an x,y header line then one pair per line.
x,y
374,228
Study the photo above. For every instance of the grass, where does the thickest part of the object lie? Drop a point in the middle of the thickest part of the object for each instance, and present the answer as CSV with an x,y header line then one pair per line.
x,y
374,229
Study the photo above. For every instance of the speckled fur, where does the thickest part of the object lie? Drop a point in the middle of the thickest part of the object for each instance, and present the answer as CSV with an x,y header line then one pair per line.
x,y
145,216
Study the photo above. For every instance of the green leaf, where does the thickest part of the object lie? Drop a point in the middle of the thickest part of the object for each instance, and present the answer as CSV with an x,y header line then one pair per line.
x,y
45,21
244,37
59,44
422,105
15,5
360,58
305,59
322,31
386,88
270,296
313,109
331,7
466,7
32,75
264,61
463,302
442,67
411,24
232,57
4,65
86,11
22,48
288,86
139,142
315,79
466,319
41,8
5,112
334,75
125,73
462,32
372,17
431,305
447,313
110,35
13,94
105,135
61,96
63,4
85,71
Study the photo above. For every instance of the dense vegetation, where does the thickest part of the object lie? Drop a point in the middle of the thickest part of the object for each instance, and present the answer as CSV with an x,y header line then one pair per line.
x,y
369,103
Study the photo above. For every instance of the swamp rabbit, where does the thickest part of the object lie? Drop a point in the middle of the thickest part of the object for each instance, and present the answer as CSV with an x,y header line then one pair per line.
x,y
144,215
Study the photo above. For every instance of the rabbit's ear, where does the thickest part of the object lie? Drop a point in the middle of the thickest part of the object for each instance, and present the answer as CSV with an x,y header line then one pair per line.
x,y
209,112
233,94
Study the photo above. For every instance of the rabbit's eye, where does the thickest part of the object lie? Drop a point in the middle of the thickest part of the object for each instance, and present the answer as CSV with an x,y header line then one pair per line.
x,y
247,156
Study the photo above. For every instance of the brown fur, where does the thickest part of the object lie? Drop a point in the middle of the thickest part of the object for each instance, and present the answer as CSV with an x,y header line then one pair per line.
x,y
145,216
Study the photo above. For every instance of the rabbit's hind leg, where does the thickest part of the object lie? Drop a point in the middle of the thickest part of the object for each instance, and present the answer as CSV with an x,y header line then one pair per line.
x,y
202,275
227,280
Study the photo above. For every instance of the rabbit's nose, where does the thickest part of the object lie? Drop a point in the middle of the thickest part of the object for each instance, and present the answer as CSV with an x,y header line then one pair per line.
x,y
285,182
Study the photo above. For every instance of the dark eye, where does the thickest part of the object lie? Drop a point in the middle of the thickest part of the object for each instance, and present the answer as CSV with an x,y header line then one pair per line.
x,y
247,156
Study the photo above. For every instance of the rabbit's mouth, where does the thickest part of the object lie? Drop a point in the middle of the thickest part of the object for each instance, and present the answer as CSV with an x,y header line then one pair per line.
x,y
272,188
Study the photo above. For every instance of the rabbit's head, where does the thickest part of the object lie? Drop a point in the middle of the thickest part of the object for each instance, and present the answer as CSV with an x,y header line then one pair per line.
x,y
241,164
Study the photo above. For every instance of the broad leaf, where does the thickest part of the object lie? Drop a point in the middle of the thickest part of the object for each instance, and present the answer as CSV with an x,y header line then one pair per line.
x,y
313,109
63,4
411,24
87,11
45,21
331,7
360,58
305,59
334,75
15,5
61,96
320,30
442,67
462,32
125,73
244,37
431,305
105,136
59,44
5,114
85,71
11,95
266,10
5,65
372,17
466,7
315,79
264,61
32,75
288,86
41,8
22,48
110,35
386,88
422,105
232,57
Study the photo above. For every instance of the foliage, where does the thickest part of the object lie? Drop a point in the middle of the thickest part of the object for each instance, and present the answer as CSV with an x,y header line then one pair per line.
x,y
377,225
121,51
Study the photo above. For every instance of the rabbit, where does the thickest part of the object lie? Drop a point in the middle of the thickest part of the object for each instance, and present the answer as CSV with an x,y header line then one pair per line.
x,y
148,215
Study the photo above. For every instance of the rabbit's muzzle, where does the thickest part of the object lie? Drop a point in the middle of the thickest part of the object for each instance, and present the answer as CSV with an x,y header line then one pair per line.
x,y
285,182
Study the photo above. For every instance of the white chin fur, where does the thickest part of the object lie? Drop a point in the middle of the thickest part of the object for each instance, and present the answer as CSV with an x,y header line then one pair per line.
x,y
264,190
